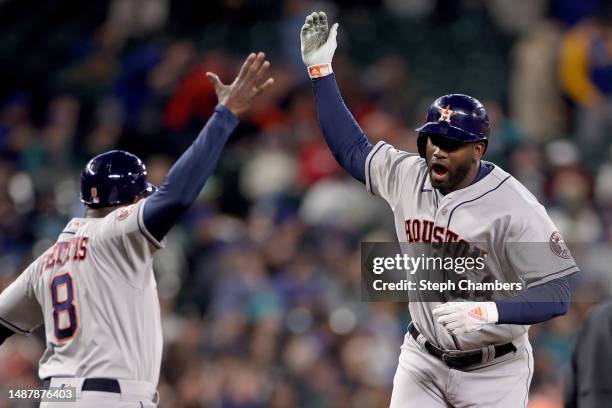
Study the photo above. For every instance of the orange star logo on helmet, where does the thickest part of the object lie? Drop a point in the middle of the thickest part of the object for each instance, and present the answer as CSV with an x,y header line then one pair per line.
x,y
446,114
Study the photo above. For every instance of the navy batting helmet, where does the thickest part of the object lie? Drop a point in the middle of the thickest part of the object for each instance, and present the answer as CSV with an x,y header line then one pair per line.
x,y
455,116
113,178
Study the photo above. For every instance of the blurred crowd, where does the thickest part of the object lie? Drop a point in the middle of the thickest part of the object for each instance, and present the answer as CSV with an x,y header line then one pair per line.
x,y
260,282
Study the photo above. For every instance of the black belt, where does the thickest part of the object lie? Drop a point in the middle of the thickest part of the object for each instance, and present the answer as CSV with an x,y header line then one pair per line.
x,y
94,384
466,358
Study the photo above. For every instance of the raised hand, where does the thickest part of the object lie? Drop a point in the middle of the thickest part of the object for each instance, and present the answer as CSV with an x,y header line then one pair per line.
x,y
317,40
239,95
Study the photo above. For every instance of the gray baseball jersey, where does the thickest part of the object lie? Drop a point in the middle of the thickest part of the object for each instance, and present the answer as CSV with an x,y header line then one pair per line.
x,y
496,210
96,293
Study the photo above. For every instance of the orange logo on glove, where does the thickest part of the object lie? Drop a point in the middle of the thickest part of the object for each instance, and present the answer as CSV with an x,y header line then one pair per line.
x,y
476,313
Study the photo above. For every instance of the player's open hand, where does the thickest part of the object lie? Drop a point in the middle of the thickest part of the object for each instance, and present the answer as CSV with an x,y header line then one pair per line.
x,y
464,317
239,95
318,41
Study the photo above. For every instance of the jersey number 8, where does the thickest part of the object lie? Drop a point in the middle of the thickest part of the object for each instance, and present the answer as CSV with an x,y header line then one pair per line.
x,y
62,296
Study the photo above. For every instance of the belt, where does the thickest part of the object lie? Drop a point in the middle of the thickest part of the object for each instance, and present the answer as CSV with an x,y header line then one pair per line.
x,y
459,359
95,384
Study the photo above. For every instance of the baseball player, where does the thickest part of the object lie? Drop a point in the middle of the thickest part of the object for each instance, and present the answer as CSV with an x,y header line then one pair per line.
x,y
94,289
460,353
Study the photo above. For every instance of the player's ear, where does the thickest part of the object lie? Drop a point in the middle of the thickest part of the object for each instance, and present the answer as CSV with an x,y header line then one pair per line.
x,y
478,151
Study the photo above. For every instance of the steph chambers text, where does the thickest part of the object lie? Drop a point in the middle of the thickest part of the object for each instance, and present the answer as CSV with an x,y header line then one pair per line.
x,y
426,285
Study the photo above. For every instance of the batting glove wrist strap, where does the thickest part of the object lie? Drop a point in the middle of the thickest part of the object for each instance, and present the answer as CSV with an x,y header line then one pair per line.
x,y
493,312
320,70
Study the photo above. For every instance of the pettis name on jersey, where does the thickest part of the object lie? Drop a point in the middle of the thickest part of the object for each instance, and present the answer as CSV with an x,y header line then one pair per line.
x,y
74,249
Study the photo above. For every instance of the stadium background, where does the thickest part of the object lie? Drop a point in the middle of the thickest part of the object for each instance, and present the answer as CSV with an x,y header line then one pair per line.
x,y
259,284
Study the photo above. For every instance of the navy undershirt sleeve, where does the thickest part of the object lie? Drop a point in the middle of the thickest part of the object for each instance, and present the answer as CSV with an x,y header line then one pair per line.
x,y
537,304
188,175
343,135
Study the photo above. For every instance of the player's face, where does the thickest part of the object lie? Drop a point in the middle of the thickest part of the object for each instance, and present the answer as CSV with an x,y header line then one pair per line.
x,y
452,165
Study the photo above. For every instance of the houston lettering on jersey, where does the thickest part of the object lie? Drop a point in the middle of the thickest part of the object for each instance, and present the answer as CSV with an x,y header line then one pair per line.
x,y
427,231
420,230
74,249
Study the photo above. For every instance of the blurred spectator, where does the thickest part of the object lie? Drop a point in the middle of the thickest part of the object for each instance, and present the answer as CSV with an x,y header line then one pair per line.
x,y
135,18
586,76
535,99
517,16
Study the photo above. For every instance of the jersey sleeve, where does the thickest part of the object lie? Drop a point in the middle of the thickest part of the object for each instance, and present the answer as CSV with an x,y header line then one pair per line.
x,y
124,235
535,249
20,310
127,223
385,171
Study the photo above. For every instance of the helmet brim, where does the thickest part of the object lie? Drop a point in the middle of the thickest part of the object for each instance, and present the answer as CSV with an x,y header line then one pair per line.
x,y
452,132
150,189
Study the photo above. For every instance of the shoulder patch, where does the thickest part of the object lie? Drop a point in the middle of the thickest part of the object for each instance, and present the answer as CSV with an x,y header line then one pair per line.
x,y
124,212
558,246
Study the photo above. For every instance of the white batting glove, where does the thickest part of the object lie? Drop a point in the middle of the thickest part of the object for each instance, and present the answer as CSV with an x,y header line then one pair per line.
x,y
318,44
465,317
